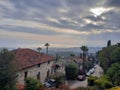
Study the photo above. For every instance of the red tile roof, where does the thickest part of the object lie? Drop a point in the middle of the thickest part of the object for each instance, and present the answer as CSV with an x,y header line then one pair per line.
x,y
27,57
77,59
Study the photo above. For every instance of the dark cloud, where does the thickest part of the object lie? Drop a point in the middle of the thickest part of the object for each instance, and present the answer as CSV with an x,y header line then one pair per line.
x,y
28,30
92,27
114,36
82,2
91,17
72,17
113,3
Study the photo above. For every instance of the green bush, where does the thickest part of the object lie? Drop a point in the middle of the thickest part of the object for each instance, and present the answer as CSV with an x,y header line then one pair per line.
x,y
8,70
107,84
32,84
88,88
97,82
91,80
103,82
71,71
114,74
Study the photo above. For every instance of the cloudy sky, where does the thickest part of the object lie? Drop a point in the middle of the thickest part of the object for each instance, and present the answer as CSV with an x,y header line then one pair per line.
x,y
62,23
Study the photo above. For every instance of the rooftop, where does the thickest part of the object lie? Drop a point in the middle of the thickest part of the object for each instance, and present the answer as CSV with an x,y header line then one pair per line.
x,y
28,57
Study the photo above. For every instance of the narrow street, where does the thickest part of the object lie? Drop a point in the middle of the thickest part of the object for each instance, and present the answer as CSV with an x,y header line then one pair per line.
x,y
98,71
74,84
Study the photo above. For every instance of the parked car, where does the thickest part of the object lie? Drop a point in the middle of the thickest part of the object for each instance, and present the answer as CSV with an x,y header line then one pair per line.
x,y
92,70
50,83
81,77
88,73
95,66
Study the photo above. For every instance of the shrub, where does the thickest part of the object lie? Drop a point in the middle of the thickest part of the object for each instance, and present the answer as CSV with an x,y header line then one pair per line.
x,y
114,88
107,84
114,74
32,84
71,70
88,88
91,80
103,82
8,70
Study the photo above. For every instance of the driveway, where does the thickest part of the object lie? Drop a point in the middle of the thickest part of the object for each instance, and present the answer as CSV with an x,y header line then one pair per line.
x,y
75,83
98,71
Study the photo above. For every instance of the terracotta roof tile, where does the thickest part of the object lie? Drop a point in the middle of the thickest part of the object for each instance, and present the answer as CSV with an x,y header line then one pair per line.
x,y
27,57
77,59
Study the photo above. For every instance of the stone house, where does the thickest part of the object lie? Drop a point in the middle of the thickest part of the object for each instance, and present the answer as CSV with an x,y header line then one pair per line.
x,y
33,64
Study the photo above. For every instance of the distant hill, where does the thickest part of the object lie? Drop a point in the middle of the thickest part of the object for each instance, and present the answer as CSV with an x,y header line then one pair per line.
x,y
66,51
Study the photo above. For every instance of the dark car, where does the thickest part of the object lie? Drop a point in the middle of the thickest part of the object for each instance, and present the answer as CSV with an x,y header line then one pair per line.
x,y
81,77
50,83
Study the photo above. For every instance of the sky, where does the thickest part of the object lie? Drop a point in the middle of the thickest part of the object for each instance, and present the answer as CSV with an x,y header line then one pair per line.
x,y
61,23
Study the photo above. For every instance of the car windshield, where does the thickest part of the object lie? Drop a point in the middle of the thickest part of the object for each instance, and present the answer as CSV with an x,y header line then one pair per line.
x,y
51,81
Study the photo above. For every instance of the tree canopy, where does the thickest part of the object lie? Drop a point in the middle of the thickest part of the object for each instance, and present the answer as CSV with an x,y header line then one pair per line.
x,y
47,45
110,62
109,43
71,70
114,73
39,49
115,55
7,70
84,48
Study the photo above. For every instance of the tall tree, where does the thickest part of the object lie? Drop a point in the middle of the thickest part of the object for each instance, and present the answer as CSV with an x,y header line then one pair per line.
x,y
109,43
47,45
115,55
118,44
7,70
39,49
114,73
84,50
108,56
71,71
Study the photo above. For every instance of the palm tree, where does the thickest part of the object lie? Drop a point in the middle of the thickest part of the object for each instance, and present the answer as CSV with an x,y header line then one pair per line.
x,y
47,45
84,50
39,49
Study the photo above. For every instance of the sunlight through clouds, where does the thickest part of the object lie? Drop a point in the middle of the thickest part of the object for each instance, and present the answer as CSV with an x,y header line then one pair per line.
x,y
63,23
99,10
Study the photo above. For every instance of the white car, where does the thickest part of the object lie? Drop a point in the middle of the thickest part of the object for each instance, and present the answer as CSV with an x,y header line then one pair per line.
x,y
88,73
95,66
47,84
92,70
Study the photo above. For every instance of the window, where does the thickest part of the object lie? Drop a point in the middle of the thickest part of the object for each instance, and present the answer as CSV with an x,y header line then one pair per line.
x,y
25,74
48,72
38,76
48,62
17,75
39,65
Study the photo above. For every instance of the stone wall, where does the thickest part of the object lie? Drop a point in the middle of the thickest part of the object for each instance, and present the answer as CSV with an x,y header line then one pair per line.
x,y
38,70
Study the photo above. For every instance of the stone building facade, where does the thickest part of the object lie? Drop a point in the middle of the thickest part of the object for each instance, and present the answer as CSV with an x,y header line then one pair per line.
x,y
33,64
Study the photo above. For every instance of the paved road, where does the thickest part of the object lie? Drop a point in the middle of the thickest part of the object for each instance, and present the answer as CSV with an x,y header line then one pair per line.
x,y
98,71
74,84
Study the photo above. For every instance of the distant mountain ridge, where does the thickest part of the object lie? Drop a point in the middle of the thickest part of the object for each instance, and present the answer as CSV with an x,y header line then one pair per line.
x,y
63,51
68,51
76,49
